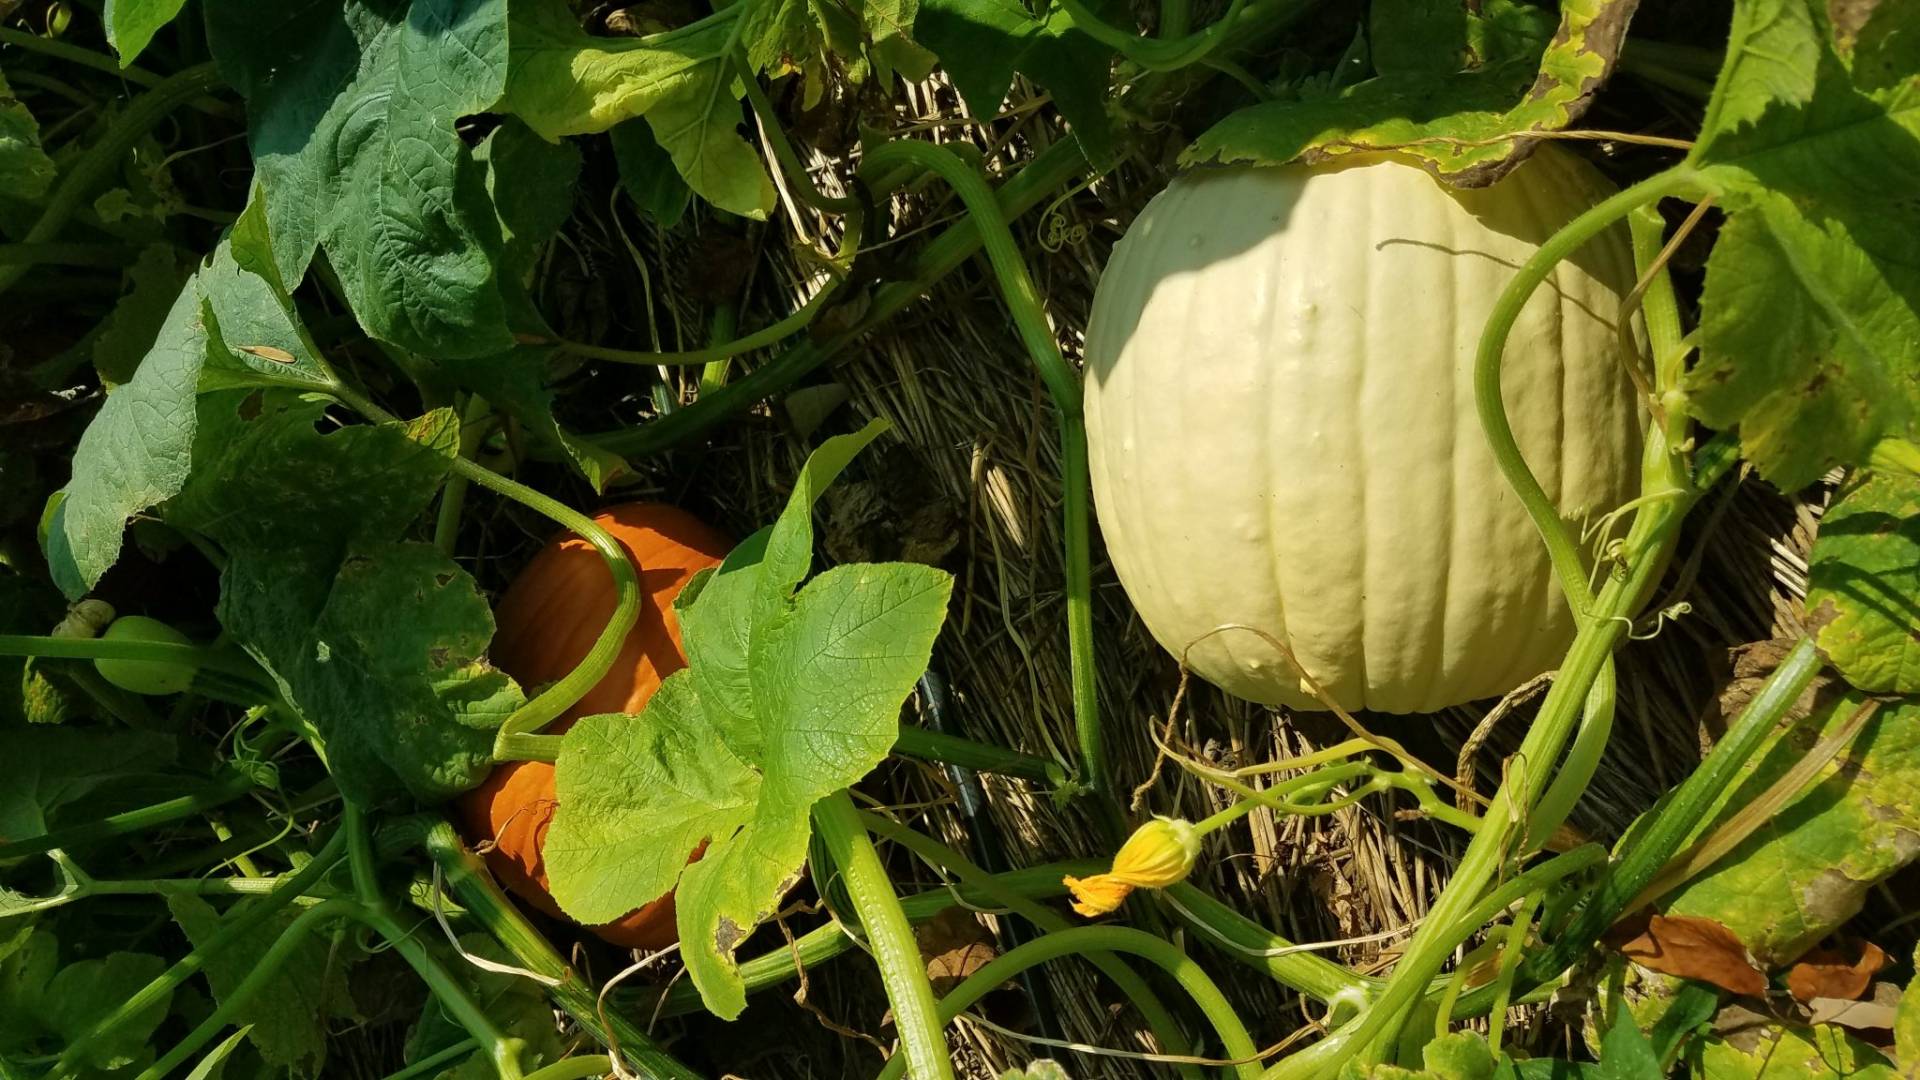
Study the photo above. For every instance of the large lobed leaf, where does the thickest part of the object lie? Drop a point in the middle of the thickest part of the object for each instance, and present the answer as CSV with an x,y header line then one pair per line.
x,y
1510,74
351,109
789,697
1811,314
983,43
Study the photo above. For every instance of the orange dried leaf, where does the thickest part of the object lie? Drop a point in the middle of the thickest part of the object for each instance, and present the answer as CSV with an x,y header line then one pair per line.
x,y
1695,947
1836,973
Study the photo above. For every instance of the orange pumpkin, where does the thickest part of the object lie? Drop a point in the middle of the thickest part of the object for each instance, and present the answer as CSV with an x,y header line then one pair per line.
x,y
546,622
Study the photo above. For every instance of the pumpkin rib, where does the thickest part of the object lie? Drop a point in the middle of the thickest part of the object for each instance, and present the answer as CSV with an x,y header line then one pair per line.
x,y
548,619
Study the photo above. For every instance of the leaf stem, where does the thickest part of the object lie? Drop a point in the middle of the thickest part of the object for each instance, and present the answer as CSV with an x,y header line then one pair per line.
x,y
231,785
98,61
783,151
1113,939
84,177
918,742
1023,303
466,877
772,334
889,936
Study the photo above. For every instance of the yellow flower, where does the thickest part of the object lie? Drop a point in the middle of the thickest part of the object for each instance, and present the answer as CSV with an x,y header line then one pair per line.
x,y
1158,854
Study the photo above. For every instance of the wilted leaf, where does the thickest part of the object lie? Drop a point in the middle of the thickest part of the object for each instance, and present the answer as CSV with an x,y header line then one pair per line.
x,y
1831,973
1467,126
1694,947
1807,870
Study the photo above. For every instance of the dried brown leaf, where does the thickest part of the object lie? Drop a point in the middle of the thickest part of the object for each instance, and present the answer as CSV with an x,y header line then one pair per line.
x,y
1694,947
1836,973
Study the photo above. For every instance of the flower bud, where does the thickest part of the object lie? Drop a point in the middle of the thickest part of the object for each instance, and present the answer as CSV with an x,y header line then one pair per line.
x,y
1158,854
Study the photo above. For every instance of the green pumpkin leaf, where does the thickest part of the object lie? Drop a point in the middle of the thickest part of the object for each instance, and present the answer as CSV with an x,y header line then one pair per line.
x,y
562,81
1812,302
351,111
1863,578
131,24
47,768
25,169
288,1020
826,670
1467,125
131,329
406,707
647,174
1808,869
983,43
81,994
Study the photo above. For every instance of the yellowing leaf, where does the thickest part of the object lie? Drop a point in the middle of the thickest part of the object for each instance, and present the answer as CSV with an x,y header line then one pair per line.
x,y
1864,584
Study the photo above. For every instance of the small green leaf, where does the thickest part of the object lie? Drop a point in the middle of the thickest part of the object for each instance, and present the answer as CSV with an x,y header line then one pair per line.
x,y
1863,580
351,112
214,1065
131,329
806,701
562,81
982,43
647,174
1457,1055
1466,127
25,169
1625,1051
131,24
288,1019
83,993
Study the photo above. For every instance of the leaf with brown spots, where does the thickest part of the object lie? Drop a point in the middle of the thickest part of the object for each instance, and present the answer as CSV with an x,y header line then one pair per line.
x,y
1694,947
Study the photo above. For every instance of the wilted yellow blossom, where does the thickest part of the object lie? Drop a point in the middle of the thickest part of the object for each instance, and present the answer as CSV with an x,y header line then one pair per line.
x,y
1158,854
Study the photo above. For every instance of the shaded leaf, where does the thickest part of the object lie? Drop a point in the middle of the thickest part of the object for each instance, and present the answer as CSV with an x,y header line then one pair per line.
x,y
288,1019
1467,127
156,278
647,174
562,81
516,1004
1831,973
47,768
82,993
25,169
1693,947
983,43
351,110
1863,578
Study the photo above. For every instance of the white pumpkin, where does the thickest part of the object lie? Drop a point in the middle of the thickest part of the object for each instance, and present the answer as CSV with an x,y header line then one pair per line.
x,y
1279,398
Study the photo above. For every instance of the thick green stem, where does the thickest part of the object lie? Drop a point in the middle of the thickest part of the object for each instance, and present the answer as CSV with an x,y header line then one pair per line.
x,y
1226,1023
575,1068
1603,625
159,652
232,930
466,877
772,334
1156,55
1023,303
1052,168
434,1064
889,936
74,54
83,179
1165,1028
783,151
